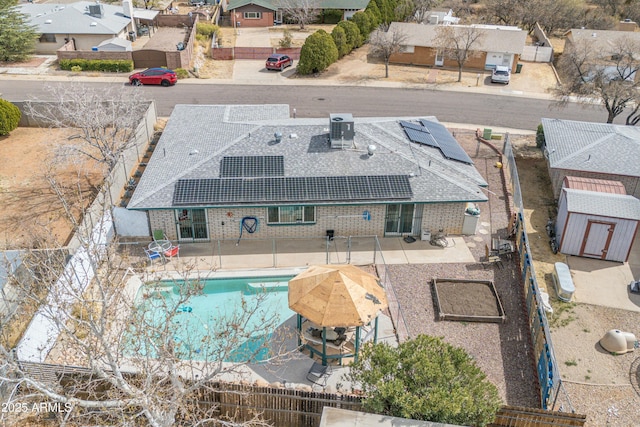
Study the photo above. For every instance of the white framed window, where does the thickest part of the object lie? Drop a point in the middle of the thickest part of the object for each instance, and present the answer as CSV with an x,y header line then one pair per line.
x,y
253,15
291,215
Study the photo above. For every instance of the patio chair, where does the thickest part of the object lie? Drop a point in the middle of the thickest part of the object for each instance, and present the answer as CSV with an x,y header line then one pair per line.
x,y
153,255
491,257
159,235
172,251
319,373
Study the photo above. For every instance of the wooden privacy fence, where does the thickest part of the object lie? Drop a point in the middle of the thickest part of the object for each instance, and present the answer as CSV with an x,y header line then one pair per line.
x,y
289,407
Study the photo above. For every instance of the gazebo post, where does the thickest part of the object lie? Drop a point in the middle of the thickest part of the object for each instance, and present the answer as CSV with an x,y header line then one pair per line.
x,y
375,331
324,346
299,327
355,358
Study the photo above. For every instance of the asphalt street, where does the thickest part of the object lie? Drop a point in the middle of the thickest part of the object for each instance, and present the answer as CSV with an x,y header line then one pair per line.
x,y
475,109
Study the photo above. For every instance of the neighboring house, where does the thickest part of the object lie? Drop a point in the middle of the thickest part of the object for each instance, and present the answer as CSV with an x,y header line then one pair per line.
x,y
498,45
86,23
603,44
264,13
215,166
592,150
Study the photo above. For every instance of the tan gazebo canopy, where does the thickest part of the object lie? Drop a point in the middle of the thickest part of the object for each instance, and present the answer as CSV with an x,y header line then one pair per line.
x,y
336,295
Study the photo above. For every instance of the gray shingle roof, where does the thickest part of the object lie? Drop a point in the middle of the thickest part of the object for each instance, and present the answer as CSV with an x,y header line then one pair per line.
x,y
603,204
323,4
602,41
592,147
197,137
494,38
74,18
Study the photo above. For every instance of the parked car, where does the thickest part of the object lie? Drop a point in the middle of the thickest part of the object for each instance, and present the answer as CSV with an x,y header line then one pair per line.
x,y
278,62
154,76
501,74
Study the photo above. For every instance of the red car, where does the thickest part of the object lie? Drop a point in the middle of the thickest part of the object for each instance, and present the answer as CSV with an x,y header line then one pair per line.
x,y
154,76
278,62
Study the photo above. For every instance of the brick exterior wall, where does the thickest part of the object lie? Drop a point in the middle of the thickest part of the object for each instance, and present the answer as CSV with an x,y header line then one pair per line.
x,y
237,16
344,220
427,56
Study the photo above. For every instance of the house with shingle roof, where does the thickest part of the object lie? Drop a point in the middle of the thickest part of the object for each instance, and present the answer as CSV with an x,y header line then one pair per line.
x,y
88,24
216,165
264,13
592,150
497,45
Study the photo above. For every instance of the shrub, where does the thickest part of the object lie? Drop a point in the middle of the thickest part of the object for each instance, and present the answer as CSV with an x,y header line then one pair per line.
x,y
318,52
540,136
363,21
340,39
106,65
182,73
354,38
9,117
331,16
207,29
76,68
287,38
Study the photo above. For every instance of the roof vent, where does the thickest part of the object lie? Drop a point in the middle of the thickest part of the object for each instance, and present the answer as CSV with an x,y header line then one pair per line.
x,y
371,150
278,136
94,24
48,21
341,131
593,34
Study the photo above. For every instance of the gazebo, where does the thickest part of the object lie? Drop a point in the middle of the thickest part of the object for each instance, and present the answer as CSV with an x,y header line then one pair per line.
x,y
335,304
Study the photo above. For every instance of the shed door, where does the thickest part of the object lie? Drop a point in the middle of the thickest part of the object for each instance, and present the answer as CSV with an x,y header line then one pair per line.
x,y
597,238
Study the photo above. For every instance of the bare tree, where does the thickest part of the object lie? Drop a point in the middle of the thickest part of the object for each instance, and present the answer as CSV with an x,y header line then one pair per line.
x,y
458,43
142,354
385,42
415,10
606,73
302,12
106,118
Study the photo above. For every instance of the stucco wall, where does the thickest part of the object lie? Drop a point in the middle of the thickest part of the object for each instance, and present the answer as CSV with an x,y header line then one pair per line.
x,y
344,220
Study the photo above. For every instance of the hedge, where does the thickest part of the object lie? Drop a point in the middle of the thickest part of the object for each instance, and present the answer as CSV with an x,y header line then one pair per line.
x,y
9,117
106,65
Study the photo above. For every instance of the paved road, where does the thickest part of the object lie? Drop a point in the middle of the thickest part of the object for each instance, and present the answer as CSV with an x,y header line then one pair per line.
x,y
476,109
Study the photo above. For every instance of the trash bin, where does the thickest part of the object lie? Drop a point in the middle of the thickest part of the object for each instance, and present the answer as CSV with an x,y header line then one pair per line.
x,y
132,36
486,134
238,24
518,68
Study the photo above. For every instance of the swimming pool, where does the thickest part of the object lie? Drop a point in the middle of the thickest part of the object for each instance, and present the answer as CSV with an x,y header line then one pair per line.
x,y
234,319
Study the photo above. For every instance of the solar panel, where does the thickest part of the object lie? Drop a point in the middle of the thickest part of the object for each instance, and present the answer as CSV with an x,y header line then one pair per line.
x,y
409,125
421,137
449,147
291,189
251,166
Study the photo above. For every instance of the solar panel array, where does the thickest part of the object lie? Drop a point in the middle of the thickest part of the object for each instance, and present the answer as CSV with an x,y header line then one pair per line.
x,y
251,166
291,189
437,136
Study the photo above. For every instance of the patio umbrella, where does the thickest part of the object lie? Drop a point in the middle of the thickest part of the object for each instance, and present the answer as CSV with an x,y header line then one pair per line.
x,y
336,295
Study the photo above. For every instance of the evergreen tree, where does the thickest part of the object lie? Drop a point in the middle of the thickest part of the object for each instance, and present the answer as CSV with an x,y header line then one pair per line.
x,y
425,379
354,38
362,20
318,52
17,36
9,117
340,39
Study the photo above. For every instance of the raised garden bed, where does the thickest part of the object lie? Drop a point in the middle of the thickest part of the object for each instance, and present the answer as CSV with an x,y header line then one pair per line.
x,y
467,300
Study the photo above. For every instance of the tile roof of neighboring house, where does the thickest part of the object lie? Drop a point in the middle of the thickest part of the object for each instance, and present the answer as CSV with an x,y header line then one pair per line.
x,y
323,4
592,147
74,18
267,4
197,137
592,184
601,40
602,204
495,38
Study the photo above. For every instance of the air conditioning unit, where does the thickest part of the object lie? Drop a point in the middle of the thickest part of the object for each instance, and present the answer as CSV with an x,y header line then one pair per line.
x,y
341,130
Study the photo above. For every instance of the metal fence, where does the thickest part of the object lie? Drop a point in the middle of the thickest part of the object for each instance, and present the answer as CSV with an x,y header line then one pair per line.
x,y
548,375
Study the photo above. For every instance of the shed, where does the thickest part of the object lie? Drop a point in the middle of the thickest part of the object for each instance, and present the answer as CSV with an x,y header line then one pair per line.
x,y
115,44
592,184
597,224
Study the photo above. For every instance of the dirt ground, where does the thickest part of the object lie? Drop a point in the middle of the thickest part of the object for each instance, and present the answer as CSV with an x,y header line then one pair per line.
x,y
32,213
467,299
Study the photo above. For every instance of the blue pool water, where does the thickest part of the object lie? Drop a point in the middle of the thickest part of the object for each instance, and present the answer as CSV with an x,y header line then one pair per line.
x,y
231,319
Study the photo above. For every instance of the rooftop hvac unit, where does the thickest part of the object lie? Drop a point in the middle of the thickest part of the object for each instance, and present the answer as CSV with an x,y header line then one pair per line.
x,y
433,19
341,131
